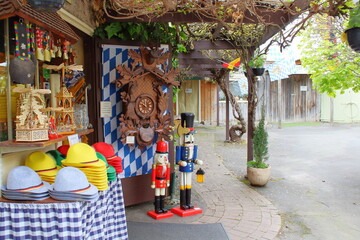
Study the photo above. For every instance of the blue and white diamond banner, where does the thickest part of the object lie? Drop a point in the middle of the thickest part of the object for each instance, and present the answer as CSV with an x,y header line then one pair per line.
x,y
135,161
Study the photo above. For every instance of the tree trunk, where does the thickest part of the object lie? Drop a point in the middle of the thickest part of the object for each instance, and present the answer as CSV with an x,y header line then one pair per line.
x,y
252,103
220,77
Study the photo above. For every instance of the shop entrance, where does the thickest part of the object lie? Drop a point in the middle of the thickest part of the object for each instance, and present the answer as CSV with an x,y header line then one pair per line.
x,y
137,162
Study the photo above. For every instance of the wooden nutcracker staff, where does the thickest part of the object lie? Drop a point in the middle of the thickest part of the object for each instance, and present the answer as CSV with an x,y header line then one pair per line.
x,y
160,178
186,157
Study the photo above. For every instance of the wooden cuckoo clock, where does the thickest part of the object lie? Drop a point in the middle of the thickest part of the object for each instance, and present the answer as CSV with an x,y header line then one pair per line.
x,y
143,96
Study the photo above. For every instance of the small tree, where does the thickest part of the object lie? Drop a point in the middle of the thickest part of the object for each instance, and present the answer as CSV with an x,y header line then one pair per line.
x,y
260,142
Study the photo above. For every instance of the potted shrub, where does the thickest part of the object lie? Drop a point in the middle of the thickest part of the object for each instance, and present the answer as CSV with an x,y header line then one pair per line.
x,y
353,31
258,172
257,64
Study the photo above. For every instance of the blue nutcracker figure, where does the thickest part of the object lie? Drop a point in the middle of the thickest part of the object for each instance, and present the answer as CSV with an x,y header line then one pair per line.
x,y
186,157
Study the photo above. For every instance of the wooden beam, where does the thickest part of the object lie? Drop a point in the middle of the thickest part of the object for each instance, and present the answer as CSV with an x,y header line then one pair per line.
x,y
197,55
216,45
201,73
202,66
270,16
197,61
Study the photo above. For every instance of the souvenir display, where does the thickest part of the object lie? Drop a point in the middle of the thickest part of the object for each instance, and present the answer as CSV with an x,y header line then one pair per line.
x,y
109,153
146,102
52,129
71,184
64,117
111,172
160,180
23,183
83,157
42,164
31,123
186,157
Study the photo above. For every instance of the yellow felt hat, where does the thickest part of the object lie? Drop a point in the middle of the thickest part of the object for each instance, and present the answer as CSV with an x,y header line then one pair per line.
x,y
82,154
41,163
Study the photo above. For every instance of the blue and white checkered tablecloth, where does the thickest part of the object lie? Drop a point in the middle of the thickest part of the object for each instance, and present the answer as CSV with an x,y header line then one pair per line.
x,y
103,219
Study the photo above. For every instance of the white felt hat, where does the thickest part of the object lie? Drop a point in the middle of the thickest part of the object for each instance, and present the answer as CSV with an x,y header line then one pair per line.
x,y
70,179
24,179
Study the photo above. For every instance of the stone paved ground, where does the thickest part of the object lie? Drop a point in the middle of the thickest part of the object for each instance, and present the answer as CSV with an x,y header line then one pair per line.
x,y
244,213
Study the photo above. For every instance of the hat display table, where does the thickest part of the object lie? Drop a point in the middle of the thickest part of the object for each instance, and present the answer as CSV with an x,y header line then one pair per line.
x,y
102,219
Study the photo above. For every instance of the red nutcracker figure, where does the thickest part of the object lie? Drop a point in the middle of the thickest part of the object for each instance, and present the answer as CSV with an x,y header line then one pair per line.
x,y
160,180
186,157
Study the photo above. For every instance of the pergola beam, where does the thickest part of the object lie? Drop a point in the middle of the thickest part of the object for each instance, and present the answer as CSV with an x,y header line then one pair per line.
x,y
270,16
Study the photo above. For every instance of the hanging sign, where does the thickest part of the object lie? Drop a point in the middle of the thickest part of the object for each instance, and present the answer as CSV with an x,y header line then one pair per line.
x,y
73,139
303,88
105,109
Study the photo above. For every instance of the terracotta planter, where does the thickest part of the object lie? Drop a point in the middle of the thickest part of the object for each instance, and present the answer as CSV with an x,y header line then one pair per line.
x,y
258,71
258,176
353,36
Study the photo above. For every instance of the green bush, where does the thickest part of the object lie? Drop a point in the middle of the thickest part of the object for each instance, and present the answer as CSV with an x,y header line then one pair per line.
x,y
260,143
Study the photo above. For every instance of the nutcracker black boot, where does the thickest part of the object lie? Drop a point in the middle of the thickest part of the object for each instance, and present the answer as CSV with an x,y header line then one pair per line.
x,y
182,200
162,204
157,205
188,199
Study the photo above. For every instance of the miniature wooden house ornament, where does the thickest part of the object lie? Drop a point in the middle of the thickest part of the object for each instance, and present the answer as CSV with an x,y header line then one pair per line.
x,y
145,101
31,122
65,116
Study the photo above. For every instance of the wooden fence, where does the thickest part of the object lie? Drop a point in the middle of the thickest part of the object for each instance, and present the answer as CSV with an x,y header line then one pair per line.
x,y
297,101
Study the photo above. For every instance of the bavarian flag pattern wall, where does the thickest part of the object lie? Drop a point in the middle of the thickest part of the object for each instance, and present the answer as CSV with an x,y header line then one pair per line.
x,y
135,161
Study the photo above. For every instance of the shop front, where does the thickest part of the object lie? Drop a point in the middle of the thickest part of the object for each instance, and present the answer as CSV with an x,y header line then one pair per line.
x,y
44,106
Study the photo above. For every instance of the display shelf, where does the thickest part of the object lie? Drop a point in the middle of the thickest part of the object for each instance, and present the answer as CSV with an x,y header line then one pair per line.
x,y
40,144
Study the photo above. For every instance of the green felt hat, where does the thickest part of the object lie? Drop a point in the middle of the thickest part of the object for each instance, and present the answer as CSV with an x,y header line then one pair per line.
x,y
57,156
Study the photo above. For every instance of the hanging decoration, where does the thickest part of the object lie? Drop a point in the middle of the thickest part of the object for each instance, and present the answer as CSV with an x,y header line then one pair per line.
x,y
22,40
46,5
39,44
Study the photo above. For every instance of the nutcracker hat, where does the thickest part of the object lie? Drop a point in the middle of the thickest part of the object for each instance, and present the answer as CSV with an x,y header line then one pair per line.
x,y
81,155
108,151
63,149
187,121
57,156
42,163
162,147
24,179
72,180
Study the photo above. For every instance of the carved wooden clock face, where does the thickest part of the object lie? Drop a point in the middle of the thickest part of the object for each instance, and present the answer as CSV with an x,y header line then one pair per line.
x,y
145,106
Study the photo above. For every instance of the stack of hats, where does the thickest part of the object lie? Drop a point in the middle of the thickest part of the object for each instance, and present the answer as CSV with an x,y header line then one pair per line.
x,y
111,172
23,183
63,149
83,157
57,156
43,164
108,151
71,184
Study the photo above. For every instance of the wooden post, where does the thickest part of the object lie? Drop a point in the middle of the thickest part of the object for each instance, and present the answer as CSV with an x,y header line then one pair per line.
x,y
279,103
227,122
8,80
251,114
331,111
217,105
